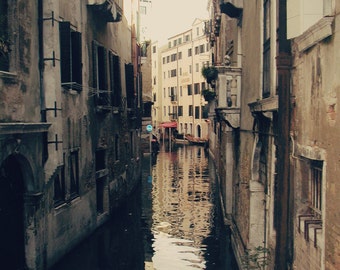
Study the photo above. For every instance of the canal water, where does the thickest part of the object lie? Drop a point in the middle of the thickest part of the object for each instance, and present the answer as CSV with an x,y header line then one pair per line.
x,y
171,222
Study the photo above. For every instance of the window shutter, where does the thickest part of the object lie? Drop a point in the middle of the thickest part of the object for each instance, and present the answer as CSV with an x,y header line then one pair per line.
x,y
129,84
76,57
94,65
105,79
117,81
65,51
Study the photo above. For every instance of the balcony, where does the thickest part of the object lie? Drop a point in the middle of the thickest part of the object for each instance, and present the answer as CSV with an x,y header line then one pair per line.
x,y
228,94
107,10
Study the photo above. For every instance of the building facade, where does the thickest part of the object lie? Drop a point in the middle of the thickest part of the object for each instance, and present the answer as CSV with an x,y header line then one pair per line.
x,y
273,129
312,29
179,93
69,124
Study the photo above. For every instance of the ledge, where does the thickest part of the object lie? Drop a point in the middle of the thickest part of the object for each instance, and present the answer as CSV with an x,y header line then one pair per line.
x,y
265,105
23,128
230,115
318,32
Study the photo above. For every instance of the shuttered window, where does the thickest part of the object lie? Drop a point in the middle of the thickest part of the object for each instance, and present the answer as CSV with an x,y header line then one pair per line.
x,y
115,80
130,90
70,57
74,174
99,74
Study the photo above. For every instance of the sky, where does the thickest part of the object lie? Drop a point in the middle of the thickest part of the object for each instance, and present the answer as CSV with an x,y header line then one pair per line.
x,y
171,17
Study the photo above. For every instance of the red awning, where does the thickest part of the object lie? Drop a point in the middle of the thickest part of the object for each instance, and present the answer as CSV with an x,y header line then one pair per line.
x,y
169,125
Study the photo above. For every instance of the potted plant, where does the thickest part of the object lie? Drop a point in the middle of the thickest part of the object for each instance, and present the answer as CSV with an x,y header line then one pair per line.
x,y
208,94
210,73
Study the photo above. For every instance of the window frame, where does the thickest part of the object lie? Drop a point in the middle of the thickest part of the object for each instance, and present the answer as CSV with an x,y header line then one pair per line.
x,y
70,57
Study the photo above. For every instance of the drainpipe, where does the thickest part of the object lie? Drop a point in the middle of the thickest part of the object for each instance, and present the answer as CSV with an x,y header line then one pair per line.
x,y
41,76
284,207
41,60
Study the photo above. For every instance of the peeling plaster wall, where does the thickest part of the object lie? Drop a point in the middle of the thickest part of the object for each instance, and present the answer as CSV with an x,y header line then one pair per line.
x,y
315,127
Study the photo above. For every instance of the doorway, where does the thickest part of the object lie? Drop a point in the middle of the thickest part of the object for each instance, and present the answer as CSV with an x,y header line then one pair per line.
x,y
12,245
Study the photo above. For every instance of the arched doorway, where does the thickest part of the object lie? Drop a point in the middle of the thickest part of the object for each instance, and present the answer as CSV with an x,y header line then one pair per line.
x,y
12,245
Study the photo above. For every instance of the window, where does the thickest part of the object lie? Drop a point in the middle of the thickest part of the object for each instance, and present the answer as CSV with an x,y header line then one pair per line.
x,y
74,174
196,50
179,55
180,110
203,85
59,187
205,112
100,160
173,57
187,38
190,110
197,112
202,48
4,38
190,69
173,95
154,49
173,73
154,80
316,187
197,88
154,97
130,89
70,57
189,89
115,80
197,31
197,67
168,59
189,52
266,50
100,83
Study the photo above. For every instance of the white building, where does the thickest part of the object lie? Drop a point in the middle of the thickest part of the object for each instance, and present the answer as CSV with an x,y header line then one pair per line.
x,y
178,81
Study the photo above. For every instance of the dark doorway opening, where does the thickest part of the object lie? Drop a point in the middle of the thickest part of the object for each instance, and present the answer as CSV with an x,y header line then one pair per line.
x,y
12,245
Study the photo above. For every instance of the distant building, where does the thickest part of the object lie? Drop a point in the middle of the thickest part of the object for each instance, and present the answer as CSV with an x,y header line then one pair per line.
x,y
177,91
69,124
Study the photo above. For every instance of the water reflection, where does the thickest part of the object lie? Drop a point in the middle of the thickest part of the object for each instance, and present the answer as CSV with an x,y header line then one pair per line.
x,y
172,221
185,224
117,245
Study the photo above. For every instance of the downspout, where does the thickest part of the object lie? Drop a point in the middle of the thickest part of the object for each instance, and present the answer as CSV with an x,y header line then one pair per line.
x,y
41,76
284,219
41,60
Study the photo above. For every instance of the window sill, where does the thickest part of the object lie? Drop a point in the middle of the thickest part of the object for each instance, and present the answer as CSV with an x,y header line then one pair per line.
x,y
313,35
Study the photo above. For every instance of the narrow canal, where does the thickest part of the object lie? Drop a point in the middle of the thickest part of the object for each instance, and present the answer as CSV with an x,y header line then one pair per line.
x,y
171,222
